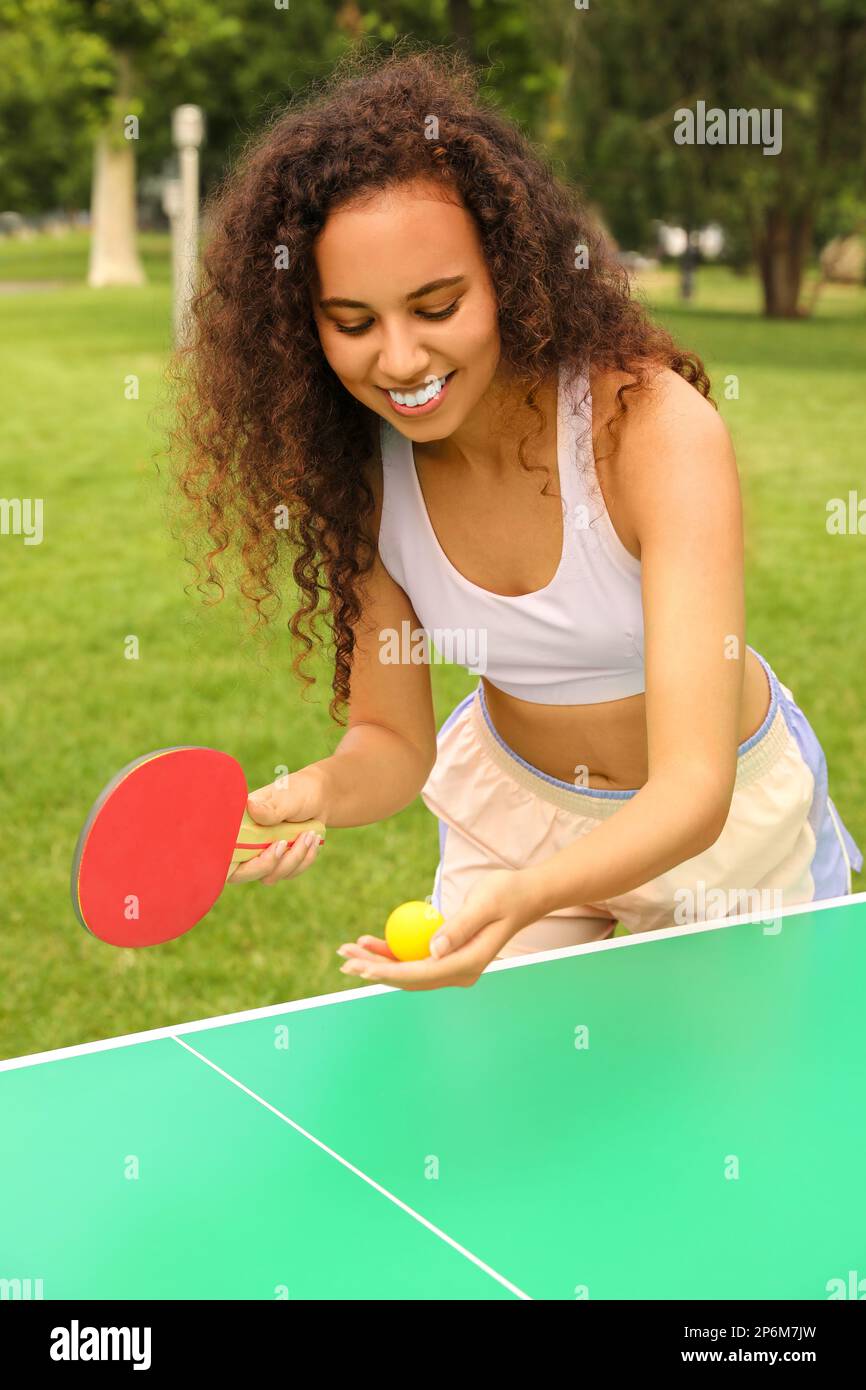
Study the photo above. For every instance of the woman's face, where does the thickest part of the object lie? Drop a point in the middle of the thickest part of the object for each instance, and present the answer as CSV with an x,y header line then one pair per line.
x,y
403,299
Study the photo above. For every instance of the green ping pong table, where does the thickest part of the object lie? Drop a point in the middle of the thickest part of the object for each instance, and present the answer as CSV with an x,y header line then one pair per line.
x,y
674,1116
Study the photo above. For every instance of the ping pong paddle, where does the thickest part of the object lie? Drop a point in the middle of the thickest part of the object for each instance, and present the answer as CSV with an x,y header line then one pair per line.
x,y
160,842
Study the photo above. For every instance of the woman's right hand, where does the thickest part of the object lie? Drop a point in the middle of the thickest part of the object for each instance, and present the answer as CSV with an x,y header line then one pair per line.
x,y
298,796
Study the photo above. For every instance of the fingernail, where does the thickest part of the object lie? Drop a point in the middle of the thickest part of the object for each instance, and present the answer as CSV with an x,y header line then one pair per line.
x,y
341,951
280,849
310,838
439,946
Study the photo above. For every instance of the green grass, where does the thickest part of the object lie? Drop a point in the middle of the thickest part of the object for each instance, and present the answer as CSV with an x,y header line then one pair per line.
x,y
65,257
74,709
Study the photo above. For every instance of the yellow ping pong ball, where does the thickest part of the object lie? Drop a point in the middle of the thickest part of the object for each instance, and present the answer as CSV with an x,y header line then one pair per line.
x,y
410,928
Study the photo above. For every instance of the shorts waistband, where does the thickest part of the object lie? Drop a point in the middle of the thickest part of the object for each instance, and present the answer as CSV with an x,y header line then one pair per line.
x,y
754,757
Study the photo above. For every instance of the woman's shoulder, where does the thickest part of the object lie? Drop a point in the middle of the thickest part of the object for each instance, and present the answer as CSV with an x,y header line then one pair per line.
x,y
664,402
667,427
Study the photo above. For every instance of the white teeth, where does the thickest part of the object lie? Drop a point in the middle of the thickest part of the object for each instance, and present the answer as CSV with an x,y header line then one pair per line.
x,y
419,397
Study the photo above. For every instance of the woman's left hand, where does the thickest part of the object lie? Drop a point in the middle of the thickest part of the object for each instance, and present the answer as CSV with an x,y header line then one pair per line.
x,y
496,906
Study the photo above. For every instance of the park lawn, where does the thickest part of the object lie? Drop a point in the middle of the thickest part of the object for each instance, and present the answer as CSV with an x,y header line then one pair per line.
x,y
74,709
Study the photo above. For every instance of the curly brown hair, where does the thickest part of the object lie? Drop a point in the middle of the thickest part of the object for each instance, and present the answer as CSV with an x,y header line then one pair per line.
x,y
268,438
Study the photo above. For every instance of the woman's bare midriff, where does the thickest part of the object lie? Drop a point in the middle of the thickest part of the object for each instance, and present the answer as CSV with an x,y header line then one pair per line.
x,y
607,740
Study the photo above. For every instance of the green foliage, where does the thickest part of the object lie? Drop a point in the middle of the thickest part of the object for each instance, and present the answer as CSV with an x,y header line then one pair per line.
x,y
596,88
55,81
62,67
651,60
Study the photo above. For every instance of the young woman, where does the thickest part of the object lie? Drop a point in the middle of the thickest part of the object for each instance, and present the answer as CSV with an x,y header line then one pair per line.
x,y
415,361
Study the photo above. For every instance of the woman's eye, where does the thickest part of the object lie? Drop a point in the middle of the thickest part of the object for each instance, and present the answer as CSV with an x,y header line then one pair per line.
x,y
440,314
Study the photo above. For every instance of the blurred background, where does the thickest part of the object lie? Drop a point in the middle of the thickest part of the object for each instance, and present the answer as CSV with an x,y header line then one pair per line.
x,y
754,259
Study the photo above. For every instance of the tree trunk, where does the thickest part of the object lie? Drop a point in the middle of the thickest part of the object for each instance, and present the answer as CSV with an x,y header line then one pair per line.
x,y
113,253
461,24
782,244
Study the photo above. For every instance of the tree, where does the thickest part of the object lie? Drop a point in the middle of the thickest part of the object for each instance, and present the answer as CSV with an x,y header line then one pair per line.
x,y
88,87
647,62
145,40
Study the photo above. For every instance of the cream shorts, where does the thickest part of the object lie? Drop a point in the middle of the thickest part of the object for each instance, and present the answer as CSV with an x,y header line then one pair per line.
x,y
783,842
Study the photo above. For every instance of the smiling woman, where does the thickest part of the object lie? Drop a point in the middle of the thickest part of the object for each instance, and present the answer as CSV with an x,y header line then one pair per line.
x,y
474,429
302,322
430,351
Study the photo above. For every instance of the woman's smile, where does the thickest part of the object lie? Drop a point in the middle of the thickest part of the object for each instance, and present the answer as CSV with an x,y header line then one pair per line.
x,y
421,402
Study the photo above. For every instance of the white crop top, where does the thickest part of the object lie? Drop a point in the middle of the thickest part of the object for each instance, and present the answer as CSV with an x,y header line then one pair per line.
x,y
577,641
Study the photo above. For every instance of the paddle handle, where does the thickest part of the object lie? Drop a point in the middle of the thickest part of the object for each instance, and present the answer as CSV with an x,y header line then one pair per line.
x,y
252,838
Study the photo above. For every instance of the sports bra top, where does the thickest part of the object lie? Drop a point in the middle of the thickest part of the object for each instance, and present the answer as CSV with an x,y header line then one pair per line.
x,y
579,640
